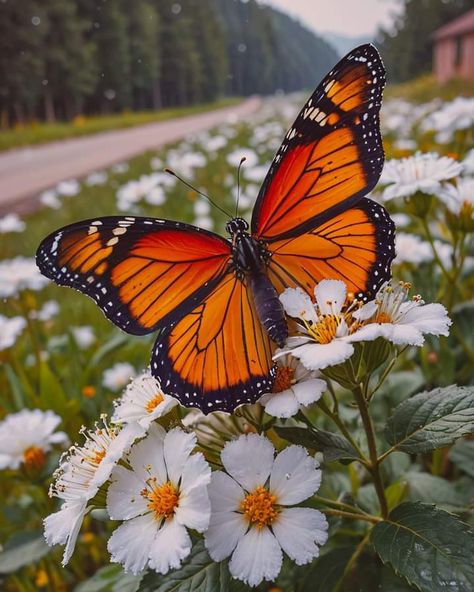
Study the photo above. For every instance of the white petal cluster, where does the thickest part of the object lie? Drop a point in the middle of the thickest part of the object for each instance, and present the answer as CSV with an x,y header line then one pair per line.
x,y
252,517
421,172
26,437
20,273
161,496
459,197
10,329
11,223
118,376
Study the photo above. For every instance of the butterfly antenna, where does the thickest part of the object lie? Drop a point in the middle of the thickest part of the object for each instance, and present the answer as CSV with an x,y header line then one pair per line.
x,y
242,160
212,202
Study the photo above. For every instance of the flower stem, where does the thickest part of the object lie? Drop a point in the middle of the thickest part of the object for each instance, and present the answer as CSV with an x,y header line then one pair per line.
x,y
338,505
373,466
386,372
352,516
429,236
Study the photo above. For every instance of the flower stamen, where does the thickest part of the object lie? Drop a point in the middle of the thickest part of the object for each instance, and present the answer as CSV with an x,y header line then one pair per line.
x,y
259,508
163,499
34,457
154,402
284,379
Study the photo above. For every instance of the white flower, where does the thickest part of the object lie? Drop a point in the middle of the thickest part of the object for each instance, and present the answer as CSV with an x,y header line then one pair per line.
x,y
295,386
11,223
20,273
205,222
257,173
26,437
421,172
97,178
410,248
163,495
326,329
455,115
134,191
84,336
459,198
49,198
234,158
156,163
10,330
143,402
215,143
468,163
83,470
120,168
250,514
400,320
68,188
202,207
156,197
49,310
117,377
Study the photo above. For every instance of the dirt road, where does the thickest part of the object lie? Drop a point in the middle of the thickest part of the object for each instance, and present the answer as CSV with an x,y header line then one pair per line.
x,y
25,172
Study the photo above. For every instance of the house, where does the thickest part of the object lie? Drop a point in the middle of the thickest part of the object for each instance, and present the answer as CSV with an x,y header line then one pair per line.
x,y
453,49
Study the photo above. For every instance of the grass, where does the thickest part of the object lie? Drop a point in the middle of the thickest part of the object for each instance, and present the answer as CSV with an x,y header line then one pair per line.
x,y
425,88
41,133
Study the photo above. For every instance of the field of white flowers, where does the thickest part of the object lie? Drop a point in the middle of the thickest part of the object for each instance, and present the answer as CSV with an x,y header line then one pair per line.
x,y
388,487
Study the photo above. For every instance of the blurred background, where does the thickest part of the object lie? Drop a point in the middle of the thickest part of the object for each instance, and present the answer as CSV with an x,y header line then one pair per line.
x,y
97,97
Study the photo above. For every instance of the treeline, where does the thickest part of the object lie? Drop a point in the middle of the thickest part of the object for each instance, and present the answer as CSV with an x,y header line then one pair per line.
x,y
407,46
59,58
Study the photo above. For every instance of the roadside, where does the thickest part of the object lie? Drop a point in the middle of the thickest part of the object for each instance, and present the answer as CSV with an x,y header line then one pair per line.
x,y
42,133
25,172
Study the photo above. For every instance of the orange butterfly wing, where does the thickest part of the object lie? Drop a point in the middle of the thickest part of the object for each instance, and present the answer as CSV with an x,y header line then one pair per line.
x,y
142,272
355,246
218,355
331,157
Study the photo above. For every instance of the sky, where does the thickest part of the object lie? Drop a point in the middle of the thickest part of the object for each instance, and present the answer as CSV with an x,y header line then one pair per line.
x,y
346,17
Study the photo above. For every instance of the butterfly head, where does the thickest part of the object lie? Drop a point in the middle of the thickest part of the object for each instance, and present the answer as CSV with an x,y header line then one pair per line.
x,y
236,225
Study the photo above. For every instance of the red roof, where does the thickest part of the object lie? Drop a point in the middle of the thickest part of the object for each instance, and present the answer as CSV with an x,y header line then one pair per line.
x,y
461,25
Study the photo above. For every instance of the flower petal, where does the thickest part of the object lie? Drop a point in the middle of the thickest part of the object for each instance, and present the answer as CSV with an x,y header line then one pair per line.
x,y
309,391
63,527
299,532
298,304
171,545
295,476
131,542
428,318
123,496
225,493
194,509
330,296
257,557
224,532
177,448
146,457
196,473
317,356
248,460
284,404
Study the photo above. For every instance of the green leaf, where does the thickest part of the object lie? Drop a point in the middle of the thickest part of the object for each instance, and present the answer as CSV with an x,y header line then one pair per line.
x,y
110,578
197,574
428,488
326,571
462,455
431,419
429,547
22,549
395,493
333,446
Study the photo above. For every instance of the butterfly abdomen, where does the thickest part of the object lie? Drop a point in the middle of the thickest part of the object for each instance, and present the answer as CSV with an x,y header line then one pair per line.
x,y
269,308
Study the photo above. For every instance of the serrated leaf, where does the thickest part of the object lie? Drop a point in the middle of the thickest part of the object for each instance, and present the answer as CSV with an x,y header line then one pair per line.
x,y
197,574
462,455
333,446
22,550
429,547
431,419
326,571
110,578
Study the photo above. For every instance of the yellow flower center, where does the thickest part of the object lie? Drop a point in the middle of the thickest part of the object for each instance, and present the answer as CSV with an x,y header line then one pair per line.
x,y
97,456
283,379
34,457
153,403
163,500
259,507
382,317
324,331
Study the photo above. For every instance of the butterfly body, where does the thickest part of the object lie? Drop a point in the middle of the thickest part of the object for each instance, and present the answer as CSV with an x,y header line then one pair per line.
x,y
215,301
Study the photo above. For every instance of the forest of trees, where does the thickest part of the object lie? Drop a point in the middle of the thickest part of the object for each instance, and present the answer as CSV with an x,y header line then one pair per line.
x,y
59,58
406,47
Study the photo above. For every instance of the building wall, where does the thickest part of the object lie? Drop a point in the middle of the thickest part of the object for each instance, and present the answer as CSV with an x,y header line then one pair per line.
x,y
444,62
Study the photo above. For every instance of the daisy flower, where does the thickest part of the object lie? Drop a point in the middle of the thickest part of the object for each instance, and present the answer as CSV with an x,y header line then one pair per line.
x,y
10,330
20,273
11,223
393,316
163,494
49,198
84,336
82,471
27,436
49,310
410,248
459,198
251,515
143,402
234,157
68,188
421,172
294,387
118,376
326,328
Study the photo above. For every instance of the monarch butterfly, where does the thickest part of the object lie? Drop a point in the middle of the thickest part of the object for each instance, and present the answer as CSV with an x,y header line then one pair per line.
x,y
215,300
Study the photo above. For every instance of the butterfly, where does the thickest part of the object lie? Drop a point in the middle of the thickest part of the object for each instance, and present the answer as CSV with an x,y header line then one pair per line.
x,y
214,300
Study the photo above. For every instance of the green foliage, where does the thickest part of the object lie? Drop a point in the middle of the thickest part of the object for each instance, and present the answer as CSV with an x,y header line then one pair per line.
x,y
429,547
22,549
426,88
431,419
110,578
333,446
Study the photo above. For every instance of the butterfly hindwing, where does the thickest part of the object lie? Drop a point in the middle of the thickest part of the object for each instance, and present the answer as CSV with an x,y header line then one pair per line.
x,y
332,155
218,355
355,246
142,272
